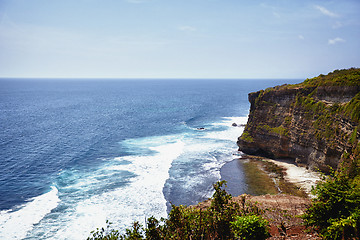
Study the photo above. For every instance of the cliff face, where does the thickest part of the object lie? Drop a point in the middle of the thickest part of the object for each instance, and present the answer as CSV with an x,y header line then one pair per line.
x,y
314,122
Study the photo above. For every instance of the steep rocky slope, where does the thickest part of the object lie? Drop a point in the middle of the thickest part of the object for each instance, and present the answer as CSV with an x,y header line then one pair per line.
x,y
314,122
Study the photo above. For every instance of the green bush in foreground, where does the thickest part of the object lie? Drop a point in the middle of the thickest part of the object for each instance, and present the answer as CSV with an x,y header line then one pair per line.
x,y
250,227
335,212
218,221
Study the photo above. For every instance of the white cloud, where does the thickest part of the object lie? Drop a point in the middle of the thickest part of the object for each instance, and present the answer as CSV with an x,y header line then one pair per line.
x,y
335,40
187,28
326,11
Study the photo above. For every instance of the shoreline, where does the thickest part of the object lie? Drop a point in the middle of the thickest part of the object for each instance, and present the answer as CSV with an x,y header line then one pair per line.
x,y
302,177
293,179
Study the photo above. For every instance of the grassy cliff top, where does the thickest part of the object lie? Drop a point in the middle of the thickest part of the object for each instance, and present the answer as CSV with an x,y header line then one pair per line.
x,y
349,78
344,77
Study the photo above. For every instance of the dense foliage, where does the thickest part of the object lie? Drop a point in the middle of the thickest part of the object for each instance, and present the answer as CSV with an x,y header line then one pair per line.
x,y
343,77
335,212
250,227
223,219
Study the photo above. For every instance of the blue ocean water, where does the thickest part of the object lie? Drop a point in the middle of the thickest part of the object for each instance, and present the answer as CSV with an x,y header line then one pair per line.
x,y
75,153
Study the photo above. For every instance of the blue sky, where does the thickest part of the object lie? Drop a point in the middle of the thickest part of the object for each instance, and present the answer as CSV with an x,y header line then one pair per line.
x,y
178,38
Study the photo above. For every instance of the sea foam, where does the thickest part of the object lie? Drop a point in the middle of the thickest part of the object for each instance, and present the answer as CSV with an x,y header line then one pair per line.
x,y
15,224
205,152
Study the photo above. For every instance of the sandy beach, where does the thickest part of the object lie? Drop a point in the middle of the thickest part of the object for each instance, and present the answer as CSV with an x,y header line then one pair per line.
x,y
300,176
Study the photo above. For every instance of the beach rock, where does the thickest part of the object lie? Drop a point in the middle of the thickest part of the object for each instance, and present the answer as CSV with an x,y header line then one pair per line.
x,y
314,123
234,125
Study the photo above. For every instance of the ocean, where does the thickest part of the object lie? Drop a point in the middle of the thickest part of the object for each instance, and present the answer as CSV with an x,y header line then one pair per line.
x,y
75,153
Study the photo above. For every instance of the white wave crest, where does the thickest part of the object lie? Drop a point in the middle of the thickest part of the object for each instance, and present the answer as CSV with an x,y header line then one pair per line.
x,y
16,224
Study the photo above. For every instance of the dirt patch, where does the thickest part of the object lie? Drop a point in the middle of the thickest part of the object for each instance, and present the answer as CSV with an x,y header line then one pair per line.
x,y
283,211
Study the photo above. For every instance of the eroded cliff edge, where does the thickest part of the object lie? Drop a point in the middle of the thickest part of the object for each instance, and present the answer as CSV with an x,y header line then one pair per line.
x,y
314,122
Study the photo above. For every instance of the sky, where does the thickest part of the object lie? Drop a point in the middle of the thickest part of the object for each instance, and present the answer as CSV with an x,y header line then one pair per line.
x,y
177,38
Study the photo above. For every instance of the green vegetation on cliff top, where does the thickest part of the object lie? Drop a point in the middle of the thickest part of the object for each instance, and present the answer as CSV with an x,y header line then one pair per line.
x,y
343,77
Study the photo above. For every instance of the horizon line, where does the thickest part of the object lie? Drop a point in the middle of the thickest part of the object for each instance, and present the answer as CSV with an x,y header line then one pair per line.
x,y
145,78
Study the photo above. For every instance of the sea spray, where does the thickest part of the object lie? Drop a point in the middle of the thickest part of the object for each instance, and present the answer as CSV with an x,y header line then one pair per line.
x,y
15,224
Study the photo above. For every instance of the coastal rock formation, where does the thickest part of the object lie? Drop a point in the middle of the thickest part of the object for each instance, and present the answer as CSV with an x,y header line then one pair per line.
x,y
314,122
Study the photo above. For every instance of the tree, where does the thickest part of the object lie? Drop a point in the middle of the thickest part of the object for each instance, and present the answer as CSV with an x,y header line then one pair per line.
x,y
335,212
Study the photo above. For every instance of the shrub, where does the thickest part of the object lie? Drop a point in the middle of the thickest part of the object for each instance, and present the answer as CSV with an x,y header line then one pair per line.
x,y
222,211
250,227
153,230
133,234
105,233
335,212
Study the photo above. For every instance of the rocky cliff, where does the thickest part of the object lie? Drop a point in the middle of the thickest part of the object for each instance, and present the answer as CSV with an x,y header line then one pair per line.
x,y
314,122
